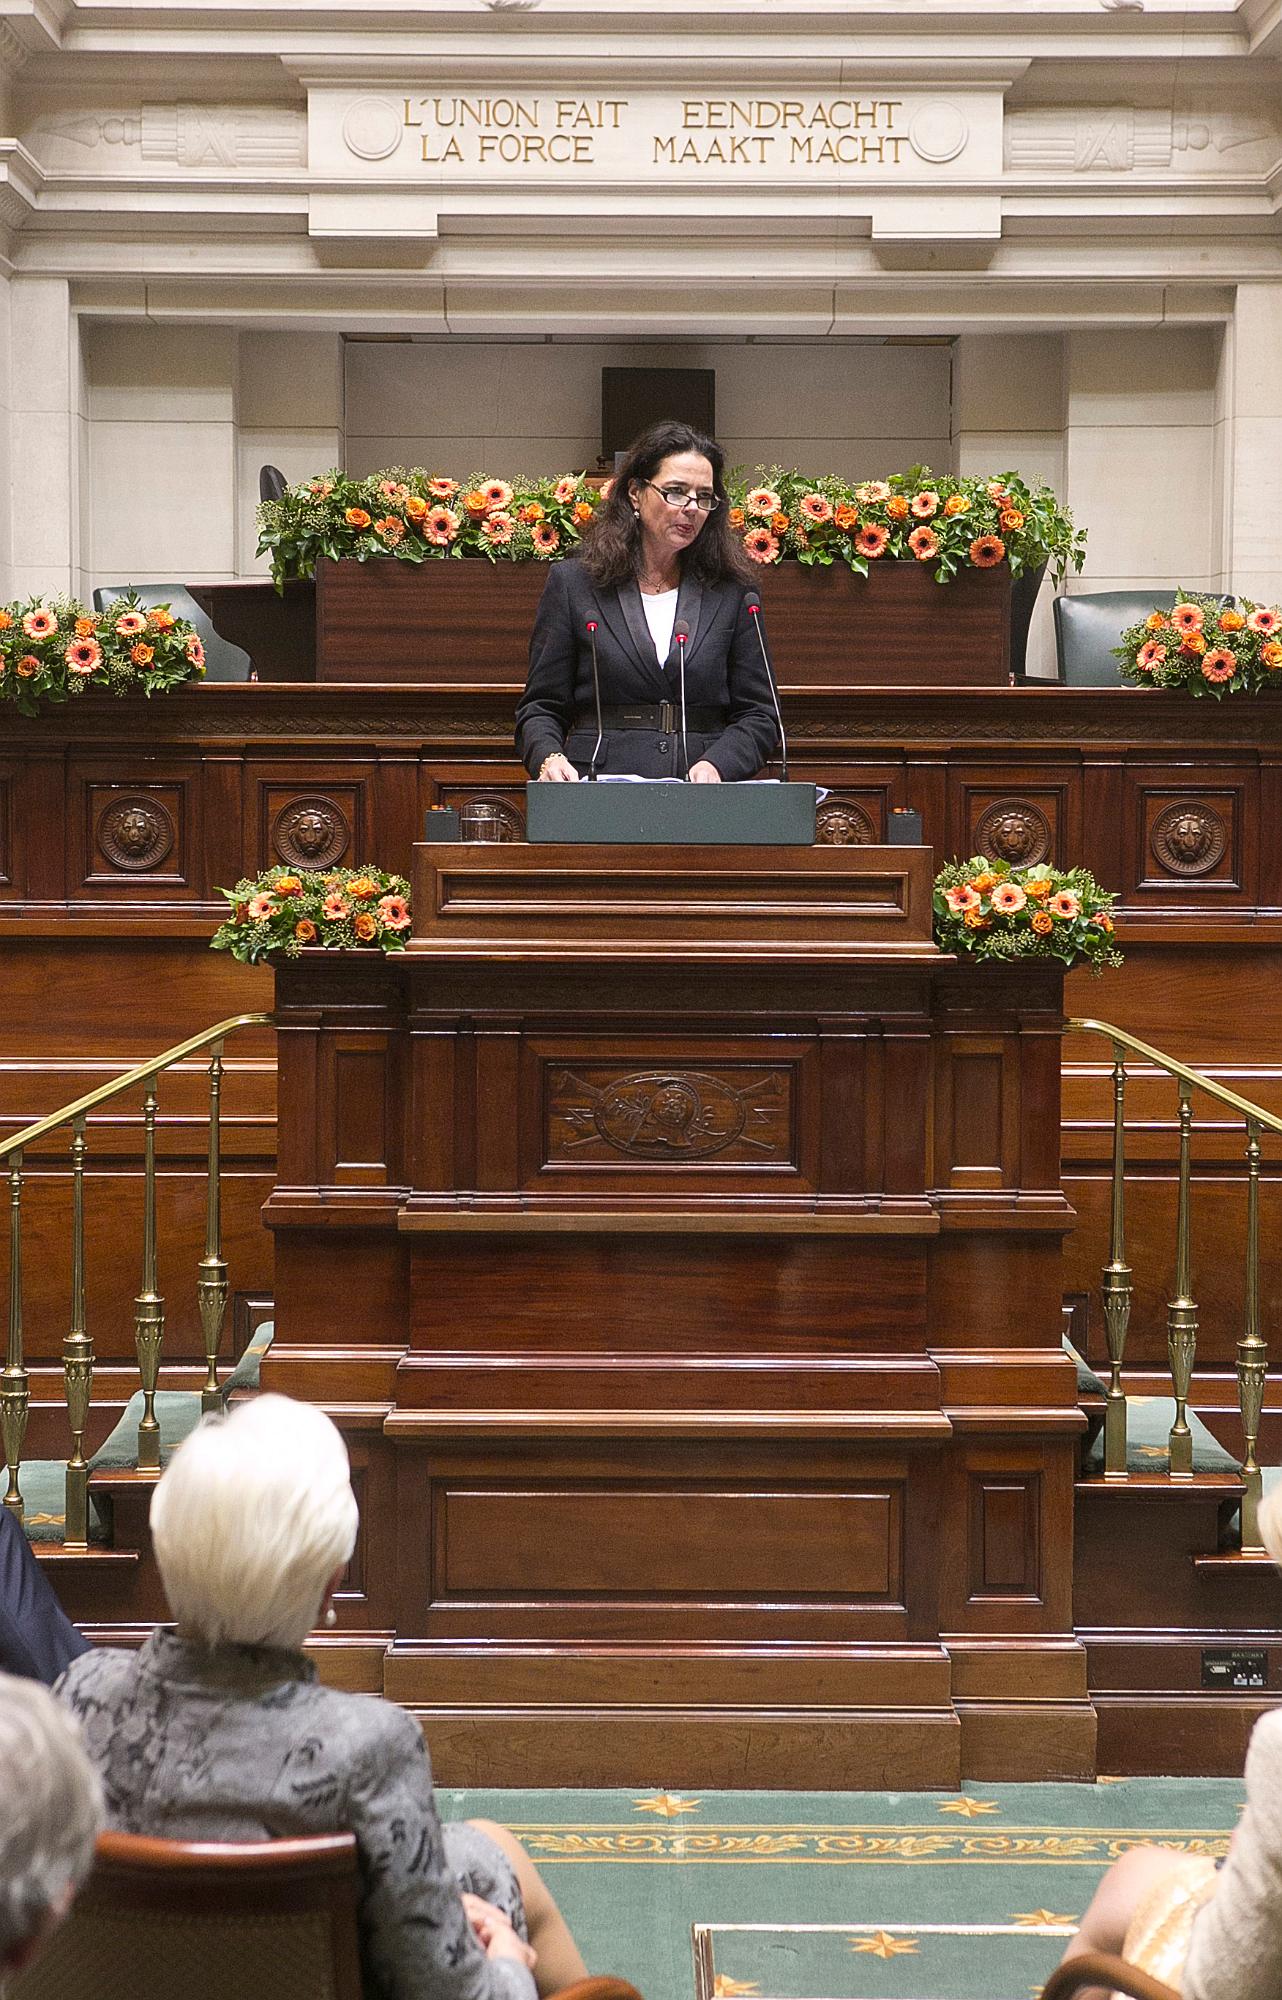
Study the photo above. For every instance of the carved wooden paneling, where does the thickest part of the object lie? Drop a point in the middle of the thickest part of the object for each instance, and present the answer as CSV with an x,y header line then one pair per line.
x,y
137,838
1018,819
309,825
7,858
977,1137
850,819
670,1116
1190,834
1005,1538
600,1539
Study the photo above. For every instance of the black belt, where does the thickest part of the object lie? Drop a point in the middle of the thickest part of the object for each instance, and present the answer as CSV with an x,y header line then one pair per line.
x,y
662,717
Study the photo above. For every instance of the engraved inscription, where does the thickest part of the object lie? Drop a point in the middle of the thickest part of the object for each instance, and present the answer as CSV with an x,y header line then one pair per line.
x,y
1015,831
841,823
136,834
1188,839
311,833
669,1114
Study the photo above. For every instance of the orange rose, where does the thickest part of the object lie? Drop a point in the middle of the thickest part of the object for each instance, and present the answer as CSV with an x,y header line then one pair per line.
x,y
366,926
305,931
476,504
1042,922
582,512
1272,655
846,516
985,882
27,666
1231,621
6,621
1157,621
779,524
415,508
85,627
957,503
974,922
1192,642
1010,519
362,888
736,518
289,885
142,656
532,511
1041,887
897,507
159,621
356,517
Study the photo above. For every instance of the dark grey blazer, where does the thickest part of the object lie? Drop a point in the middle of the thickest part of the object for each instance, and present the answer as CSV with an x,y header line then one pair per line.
x,y
724,673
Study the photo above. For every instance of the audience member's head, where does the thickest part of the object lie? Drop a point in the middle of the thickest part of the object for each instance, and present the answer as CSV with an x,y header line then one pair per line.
x,y
49,1821
251,1522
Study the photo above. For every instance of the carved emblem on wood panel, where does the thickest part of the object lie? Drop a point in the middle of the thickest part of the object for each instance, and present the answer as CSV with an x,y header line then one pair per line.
x,y
311,833
136,834
669,1114
1188,838
841,823
1015,831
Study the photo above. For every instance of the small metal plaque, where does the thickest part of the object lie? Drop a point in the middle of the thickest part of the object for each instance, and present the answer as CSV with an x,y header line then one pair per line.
x,y
1234,1668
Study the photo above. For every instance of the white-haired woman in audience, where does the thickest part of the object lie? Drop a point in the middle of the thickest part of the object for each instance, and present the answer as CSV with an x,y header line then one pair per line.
x,y
49,1819
1212,1933
220,1730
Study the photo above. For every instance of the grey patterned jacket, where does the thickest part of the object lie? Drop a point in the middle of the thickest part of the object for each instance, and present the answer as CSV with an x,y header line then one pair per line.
x,y
242,1743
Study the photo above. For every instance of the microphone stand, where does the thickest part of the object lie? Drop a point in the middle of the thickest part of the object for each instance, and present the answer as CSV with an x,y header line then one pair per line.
x,y
596,689
681,635
754,612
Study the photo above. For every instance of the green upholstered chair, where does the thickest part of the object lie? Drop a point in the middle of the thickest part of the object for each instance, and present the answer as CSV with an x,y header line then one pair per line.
x,y
223,661
1088,627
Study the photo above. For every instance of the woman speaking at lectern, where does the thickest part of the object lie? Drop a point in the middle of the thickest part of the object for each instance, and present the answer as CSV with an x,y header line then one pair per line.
x,y
661,590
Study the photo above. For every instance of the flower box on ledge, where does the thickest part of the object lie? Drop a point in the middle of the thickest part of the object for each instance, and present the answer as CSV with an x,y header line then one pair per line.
x,y
456,623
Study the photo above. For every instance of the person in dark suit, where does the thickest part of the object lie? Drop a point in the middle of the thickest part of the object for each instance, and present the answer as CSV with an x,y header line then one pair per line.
x,y
37,1639
659,558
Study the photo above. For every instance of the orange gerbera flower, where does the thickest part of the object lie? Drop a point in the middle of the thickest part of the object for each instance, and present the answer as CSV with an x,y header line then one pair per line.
x,y
846,516
38,624
142,656
416,508
366,926
924,543
871,540
390,530
1042,923
1264,620
761,545
498,528
583,512
395,912
85,627
1103,920
736,518
964,897
986,551
334,909
925,505
1150,656
565,489
1188,618
815,508
129,623
1008,897
1010,520
83,655
1231,621
762,503
305,931
1067,904
545,537
262,905
957,503
872,492
195,651
497,494
1220,665
440,527
442,489
356,517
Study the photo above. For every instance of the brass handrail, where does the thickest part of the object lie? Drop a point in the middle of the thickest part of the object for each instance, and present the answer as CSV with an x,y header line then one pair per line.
x,y
1181,1316
149,1306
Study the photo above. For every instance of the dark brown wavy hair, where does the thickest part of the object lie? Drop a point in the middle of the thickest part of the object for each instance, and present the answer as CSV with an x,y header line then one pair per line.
x,y
612,544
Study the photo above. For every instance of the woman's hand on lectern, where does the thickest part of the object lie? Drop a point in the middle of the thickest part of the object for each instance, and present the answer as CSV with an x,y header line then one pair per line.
x,y
558,770
704,773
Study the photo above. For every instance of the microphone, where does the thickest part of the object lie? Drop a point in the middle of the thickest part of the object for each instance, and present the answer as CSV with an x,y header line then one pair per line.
x,y
754,612
681,634
596,689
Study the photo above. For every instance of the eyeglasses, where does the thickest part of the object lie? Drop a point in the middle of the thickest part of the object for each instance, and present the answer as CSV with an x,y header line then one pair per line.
x,y
677,496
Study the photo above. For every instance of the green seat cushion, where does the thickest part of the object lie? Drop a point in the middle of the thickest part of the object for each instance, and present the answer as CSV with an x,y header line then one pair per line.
x,y
1088,1382
1148,1424
246,1372
43,1482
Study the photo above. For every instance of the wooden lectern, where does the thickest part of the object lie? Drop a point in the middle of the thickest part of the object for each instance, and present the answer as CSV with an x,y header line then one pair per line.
x,y
677,1236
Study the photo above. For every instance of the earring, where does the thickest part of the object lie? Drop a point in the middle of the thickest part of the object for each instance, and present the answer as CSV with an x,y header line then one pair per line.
x,y
331,1617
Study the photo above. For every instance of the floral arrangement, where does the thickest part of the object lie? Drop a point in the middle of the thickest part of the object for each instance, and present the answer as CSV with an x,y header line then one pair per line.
x,y
988,910
417,516
340,910
953,524
52,649
1206,646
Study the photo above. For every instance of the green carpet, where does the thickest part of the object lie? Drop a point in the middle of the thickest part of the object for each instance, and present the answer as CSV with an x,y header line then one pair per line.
x,y
842,1895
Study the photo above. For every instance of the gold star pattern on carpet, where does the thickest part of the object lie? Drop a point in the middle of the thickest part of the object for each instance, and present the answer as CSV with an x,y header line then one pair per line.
x,y
967,1808
668,1805
726,1988
1152,1451
46,1520
1033,1920
882,1945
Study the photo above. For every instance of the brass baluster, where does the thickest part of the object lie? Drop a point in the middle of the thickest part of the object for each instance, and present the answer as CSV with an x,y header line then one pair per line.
x,y
1252,1353
1181,1311
14,1391
1115,1284
211,1284
77,1355
149,1307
